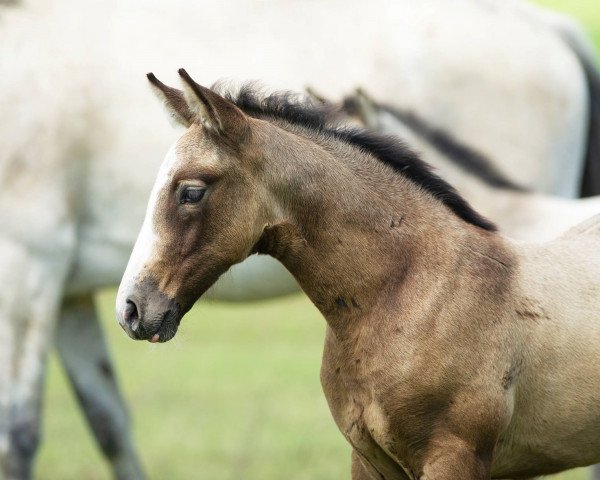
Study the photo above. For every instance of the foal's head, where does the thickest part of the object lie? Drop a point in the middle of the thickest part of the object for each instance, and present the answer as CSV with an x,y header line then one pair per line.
x,y
206,211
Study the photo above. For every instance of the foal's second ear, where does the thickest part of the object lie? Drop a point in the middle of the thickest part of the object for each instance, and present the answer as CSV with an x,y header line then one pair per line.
x,y
215,112
316,96
362,107
173,100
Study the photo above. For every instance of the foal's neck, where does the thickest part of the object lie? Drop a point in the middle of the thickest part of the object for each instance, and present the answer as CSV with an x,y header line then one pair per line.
x,y
353,230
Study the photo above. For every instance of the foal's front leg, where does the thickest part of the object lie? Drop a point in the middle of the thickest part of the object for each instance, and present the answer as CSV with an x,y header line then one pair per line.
x,y
13,261
37,319
452,458
358,470
361,469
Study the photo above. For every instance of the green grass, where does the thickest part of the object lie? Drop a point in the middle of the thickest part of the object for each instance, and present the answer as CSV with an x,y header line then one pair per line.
x,y
586,11
235,395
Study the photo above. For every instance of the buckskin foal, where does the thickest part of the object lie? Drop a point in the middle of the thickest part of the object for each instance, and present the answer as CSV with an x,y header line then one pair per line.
x,y
451,352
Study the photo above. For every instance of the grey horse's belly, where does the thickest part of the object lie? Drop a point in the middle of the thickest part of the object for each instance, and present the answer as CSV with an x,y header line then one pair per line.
x,y
100,264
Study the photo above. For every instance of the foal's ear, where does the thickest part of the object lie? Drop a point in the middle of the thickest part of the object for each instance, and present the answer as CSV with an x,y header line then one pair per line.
x,y
316,97
363,107
215,112
173,100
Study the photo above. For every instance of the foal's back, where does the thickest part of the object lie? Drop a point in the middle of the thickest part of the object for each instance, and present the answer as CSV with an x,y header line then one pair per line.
x,y
557,313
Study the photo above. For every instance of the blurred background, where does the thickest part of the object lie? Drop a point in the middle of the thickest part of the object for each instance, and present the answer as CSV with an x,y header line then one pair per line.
x,y
235,395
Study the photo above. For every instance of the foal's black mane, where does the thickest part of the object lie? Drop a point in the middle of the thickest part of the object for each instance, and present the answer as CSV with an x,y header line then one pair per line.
x,y
389,149
465,157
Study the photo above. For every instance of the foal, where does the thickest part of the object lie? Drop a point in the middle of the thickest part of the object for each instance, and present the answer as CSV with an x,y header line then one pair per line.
x,y
451,352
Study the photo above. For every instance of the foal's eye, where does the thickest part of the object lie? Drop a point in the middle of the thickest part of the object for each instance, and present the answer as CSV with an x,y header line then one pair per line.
x,y
191,194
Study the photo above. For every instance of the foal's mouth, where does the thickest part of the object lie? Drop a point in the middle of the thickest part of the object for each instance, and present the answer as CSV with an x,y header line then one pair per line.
x,y
167,328
157,329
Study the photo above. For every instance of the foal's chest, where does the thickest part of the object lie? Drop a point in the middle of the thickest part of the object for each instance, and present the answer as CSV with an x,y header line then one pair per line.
x,y
395,402
353,388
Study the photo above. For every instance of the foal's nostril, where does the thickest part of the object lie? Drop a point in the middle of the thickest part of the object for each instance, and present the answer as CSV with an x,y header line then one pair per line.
x,y
131,314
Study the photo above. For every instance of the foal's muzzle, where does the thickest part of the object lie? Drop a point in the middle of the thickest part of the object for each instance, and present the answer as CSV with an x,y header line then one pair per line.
x,y
148,314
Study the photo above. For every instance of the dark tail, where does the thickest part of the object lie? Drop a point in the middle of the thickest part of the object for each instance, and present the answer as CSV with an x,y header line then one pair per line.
x,y
590,182
582,48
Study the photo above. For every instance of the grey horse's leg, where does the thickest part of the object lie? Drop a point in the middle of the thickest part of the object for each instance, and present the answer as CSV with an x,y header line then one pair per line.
x,y
595,472
10,261
19,422
35,299
84,354
24,435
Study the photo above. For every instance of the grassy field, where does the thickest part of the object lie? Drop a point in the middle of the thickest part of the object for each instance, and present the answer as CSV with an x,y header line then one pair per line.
x,y
236,395
586,11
